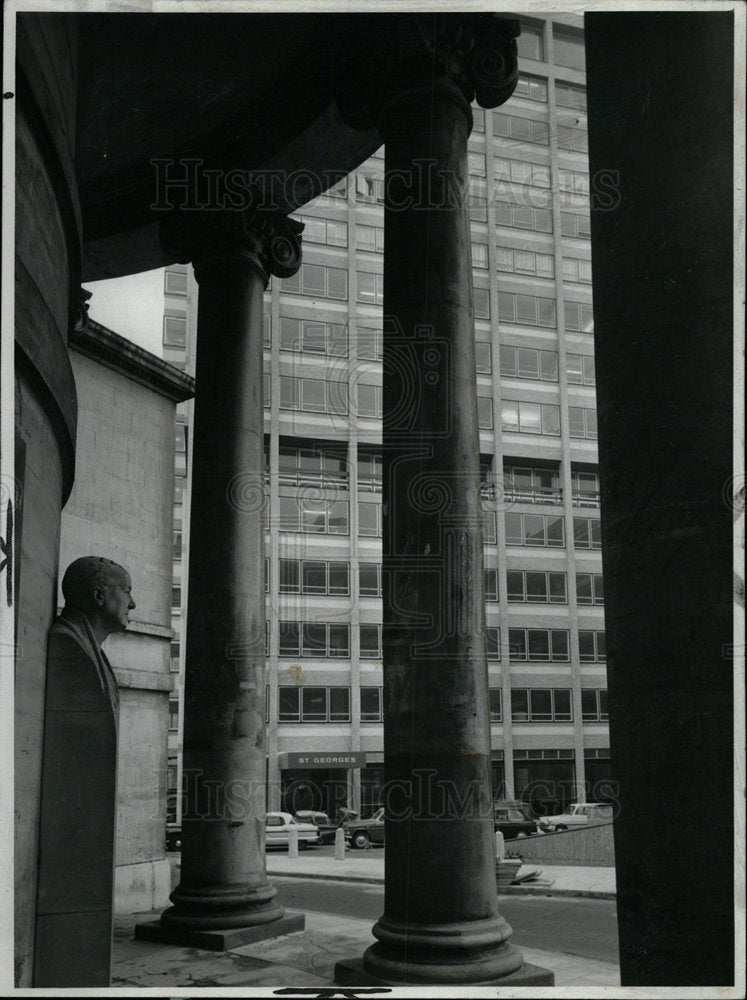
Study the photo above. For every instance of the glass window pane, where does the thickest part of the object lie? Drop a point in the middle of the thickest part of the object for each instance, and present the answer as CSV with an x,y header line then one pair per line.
x,y
596,533
583,588
366,400
562,699
369,641
581,532
482,303
339,578
529,416
313,395
590,377
538,644
603,710
288,704
515,585
543,224
508,360
288,634
337,283
536,587
288,393
586,646
484,412
601,645
313,516
289,576
557,588
598,588
337,397
339,704
482,357
528,362
517,643
314,577
491,584
338,517
314,337
339,640
313,279
588,704
546,312
368,519
574,368
288,513
520,705
370,704
314,636
591,423
506,307
576,426
540,705
514,531
290,334
493,640
368,579
559,644
549,365
555,532
496,712
314,704
534,529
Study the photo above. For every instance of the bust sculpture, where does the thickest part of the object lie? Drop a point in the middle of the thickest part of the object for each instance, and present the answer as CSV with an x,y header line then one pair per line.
x,y
79,779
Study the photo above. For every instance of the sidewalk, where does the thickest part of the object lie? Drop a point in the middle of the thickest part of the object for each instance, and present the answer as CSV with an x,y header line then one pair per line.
x,y
555,880
305,959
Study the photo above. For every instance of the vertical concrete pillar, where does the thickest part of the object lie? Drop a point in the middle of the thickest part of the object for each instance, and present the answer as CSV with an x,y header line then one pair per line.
x,y
441,923
223,882
660,159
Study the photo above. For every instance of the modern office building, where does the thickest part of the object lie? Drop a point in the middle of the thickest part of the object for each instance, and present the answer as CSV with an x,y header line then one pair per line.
x,y
530,197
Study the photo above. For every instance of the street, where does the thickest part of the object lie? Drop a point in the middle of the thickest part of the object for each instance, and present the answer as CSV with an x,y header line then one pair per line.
x,y
575,926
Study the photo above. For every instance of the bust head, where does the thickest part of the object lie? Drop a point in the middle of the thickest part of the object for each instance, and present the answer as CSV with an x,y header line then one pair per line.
x,y
101,590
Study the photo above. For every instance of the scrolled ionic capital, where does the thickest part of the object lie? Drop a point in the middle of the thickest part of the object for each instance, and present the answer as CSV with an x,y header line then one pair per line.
x,y
474,54
268,241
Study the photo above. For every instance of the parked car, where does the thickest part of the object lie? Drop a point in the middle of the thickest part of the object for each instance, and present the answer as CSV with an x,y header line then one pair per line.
x,y
579,814
321,821
513,819
362,832
278,825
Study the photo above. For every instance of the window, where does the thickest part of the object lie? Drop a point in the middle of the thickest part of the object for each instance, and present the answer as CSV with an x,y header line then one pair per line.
x,y
589,588
541,705
369,519
496,705
483,360
569,49
371,704
530,418
580,369
531,485
369,400
526,362
577,269
493,641
319,517
175,282
489,528
570,95
266,390
533,88
526,262
543,530
478,119
594,705
484,412
508,172
313,337
530,43
587,533
535,587
314,639
324,231
311,576
523,217
173,714
582,422
520,129
369,471
370,642
370,238
538,645
313,395
369,189
266,575
476,164
313,704
579,316
479,255
481,299
491,585
315,465
585,486
313,279
529,310
174,658
370,343
370,287
369,579
574,225
176,598
174,331
592,646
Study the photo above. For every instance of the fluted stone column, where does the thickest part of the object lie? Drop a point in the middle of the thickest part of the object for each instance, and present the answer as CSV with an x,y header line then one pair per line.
x,y
224,887
441,923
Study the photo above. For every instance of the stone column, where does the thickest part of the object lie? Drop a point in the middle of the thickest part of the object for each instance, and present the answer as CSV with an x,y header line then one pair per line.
x,y
224,886
441,923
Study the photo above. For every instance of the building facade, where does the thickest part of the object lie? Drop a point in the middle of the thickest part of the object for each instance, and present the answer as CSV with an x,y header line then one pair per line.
x,y
530,195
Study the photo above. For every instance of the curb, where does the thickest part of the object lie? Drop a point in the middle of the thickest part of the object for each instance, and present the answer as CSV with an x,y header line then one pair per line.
x,y
511,890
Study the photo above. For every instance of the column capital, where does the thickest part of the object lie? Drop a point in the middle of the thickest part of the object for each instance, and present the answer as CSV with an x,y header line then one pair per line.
x,y
476,53
271,242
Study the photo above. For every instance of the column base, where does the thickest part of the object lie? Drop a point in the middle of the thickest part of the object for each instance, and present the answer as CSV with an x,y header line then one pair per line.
x,y
220,939
351,972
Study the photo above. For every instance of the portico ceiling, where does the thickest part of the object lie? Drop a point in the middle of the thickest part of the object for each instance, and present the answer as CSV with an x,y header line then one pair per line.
x,y
253,91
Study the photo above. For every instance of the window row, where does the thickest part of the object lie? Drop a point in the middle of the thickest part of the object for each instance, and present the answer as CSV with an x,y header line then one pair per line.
x,y
326,231
521,129
526,262
314,279
313,395
317,517
541,705
320,639
313,704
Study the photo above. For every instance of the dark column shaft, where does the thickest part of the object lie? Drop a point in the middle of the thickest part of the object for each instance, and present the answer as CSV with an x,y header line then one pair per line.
x,y
223,881
441,922
662,248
